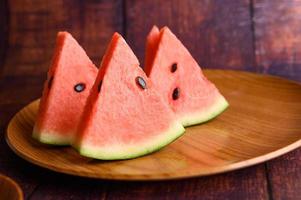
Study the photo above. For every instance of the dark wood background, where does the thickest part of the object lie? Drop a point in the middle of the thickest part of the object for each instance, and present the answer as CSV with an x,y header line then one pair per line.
x,y
262,36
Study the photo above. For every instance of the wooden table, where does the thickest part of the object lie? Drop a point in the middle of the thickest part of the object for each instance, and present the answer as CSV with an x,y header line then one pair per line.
x,y
255,35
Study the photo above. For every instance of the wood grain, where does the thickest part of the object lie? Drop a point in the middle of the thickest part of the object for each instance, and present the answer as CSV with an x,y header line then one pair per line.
x,y
244,184
34,24
261,107
217,33
9,189
285,175
277,37
3,31
70,187
218,187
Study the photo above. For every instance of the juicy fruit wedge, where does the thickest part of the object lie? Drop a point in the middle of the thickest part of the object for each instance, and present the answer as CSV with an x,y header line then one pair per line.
x,y
151,48
66,89
124,116
179,79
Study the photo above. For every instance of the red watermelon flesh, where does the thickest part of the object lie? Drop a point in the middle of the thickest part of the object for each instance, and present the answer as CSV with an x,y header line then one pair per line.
x,y
66,89
151,48
124,119
178,77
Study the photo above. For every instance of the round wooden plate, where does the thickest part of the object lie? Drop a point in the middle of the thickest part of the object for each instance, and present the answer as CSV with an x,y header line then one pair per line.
x,y
262,122
9,189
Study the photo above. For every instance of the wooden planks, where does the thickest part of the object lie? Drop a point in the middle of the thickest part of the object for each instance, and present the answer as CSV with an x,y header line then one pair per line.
x,y
243,184
3,31
217,33
34,24
285,175
62,187
278,38
216,187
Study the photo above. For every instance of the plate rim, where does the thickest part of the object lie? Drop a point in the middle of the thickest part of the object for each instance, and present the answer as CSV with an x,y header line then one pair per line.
x,y
14,185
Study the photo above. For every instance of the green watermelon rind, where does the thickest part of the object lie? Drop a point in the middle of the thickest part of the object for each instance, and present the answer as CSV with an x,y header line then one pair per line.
x,y
51,138
135,150
211,112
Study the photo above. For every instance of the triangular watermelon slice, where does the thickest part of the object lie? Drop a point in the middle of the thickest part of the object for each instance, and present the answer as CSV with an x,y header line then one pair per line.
x,y
124,116
151,48
66,89
178,77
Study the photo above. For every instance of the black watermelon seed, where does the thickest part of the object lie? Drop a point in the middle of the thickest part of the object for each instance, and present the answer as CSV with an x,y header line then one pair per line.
x,y
141,82
50,82
99,86
176,94
174,67
79,87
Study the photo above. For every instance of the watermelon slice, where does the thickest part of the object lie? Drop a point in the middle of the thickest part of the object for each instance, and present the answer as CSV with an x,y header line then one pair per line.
x,y
178,77
124,116
66,89
151,48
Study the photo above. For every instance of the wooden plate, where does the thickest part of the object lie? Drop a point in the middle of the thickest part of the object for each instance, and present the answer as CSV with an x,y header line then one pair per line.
x,y
262,122
9,189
